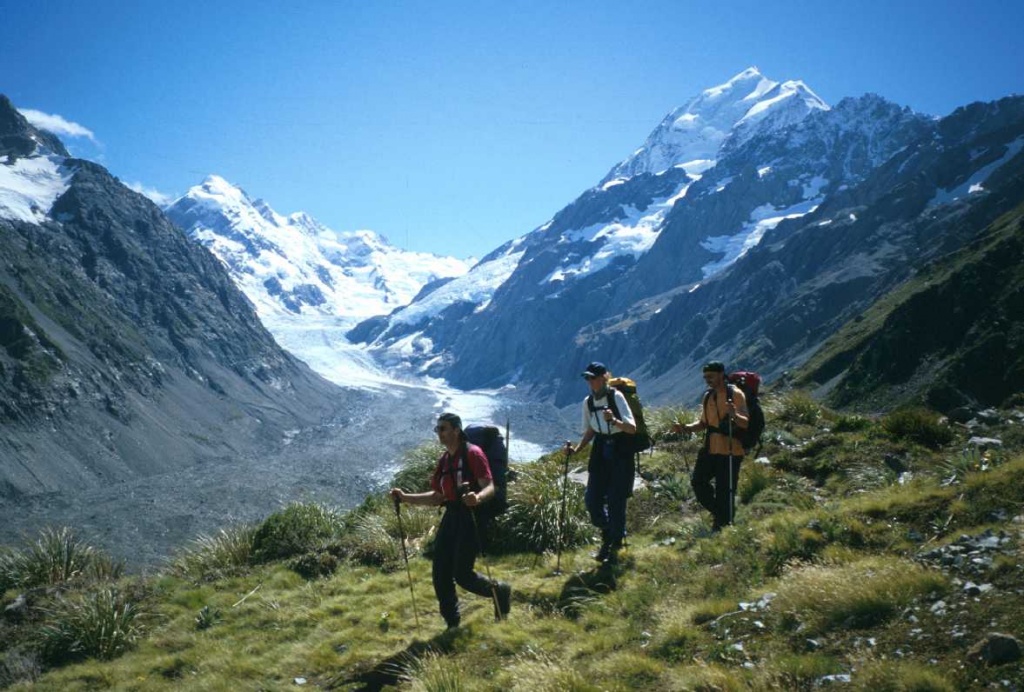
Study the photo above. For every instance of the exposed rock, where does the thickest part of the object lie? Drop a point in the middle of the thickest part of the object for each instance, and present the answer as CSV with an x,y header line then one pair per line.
x,y
996,649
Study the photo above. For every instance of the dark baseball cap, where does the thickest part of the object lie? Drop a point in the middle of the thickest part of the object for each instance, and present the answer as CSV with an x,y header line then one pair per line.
x,y
595,369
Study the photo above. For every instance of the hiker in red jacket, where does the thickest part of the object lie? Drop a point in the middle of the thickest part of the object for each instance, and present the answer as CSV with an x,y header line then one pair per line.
x,y
457,542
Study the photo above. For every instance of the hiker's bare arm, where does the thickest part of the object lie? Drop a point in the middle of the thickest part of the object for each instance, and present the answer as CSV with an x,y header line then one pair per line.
x,y
484,494
738,409
429,498
588,435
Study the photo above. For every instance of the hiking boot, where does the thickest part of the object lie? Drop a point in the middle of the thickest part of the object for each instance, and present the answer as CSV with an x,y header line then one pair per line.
x,y
504,592
613,553
602,554
453,623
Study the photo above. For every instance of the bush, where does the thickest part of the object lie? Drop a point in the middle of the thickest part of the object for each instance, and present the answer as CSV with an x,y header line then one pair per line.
x,y
535,503
57,556
100,625
297,529
417,468
369,541
918,425
799,407
210,557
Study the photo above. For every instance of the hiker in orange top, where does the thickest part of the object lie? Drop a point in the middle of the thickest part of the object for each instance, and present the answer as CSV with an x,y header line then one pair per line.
x,y
724,411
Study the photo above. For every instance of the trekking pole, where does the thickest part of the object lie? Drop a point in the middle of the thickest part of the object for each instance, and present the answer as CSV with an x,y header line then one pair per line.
x,y
561,512
732,509
463,489
405,554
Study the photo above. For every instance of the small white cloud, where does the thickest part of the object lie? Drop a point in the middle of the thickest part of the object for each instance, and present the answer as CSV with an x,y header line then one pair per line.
x,y
57,124
161,199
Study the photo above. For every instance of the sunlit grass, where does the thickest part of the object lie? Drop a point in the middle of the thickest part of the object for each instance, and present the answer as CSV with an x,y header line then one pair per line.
x,y
822,598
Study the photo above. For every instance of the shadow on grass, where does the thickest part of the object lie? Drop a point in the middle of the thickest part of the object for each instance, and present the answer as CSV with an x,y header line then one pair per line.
x,y
584,588
390,672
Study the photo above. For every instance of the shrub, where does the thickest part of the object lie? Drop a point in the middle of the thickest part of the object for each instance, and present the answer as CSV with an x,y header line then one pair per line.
x,y
417,468
57,556
918,425
799,407
368,541
754,479
535,502
100,625
851,423
209,557
297,529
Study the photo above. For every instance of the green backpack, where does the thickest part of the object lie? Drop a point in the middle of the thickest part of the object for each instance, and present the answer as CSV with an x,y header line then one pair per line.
x,y
627,387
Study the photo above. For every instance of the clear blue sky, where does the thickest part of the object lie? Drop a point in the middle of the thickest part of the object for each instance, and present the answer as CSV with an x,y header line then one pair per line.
x,y
455,126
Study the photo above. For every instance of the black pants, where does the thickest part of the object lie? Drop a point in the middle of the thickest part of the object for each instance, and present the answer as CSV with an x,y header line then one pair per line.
x,y
609,484
716,498
455,551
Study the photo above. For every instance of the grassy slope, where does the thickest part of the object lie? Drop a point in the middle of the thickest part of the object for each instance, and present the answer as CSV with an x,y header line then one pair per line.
x,y
825,530
952,328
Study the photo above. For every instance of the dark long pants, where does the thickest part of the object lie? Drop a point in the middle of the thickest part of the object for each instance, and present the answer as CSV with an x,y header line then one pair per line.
x,y
609,484
455,551
716,498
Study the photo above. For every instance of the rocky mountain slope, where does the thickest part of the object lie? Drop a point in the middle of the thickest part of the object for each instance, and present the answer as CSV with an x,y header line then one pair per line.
x,y
753,223
126,350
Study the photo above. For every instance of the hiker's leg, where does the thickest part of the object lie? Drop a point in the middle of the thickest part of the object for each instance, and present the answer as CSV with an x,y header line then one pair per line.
x,y
728,500
724,502
700,481
620,487
465,557
597,489
443,569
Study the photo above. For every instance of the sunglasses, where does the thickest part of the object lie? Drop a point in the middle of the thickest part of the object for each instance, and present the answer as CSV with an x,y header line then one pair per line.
x,y
441,428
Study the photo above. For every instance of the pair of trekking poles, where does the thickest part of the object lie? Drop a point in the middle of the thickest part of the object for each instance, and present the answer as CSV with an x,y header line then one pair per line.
x,y
462,490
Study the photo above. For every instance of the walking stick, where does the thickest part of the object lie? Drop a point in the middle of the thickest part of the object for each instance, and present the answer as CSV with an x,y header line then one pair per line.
x,y
561,512
405,554
463,489
732,509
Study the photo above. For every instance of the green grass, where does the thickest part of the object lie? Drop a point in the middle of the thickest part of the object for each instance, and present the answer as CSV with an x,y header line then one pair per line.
x,y
820,576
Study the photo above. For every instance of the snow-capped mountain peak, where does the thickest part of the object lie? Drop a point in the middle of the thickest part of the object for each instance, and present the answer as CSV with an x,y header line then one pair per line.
x,y
295,265
693,135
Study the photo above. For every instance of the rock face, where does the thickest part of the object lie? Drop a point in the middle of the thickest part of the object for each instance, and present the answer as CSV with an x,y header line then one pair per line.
x,y
755,256
125,348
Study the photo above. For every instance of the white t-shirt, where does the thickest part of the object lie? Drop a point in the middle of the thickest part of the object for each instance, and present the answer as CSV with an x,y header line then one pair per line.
x,y
596,422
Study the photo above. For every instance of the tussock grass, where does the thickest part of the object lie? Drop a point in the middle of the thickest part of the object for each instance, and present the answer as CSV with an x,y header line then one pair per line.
x,y
894,676
823,598
57,556
534,521
101,624
798,407
212,557
918,425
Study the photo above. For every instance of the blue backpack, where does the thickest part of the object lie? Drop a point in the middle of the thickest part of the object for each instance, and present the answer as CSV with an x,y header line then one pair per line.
x,y
490,440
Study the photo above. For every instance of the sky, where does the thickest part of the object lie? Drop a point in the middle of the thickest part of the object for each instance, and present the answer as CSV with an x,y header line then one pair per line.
x,y
448,126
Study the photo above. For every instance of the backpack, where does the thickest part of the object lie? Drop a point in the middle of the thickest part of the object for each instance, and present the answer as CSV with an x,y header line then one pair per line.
x,y
627,387
490,440
750,383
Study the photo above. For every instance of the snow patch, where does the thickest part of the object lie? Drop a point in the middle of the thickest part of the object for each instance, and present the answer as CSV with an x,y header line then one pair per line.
x,y
974,183
30,186
762,220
